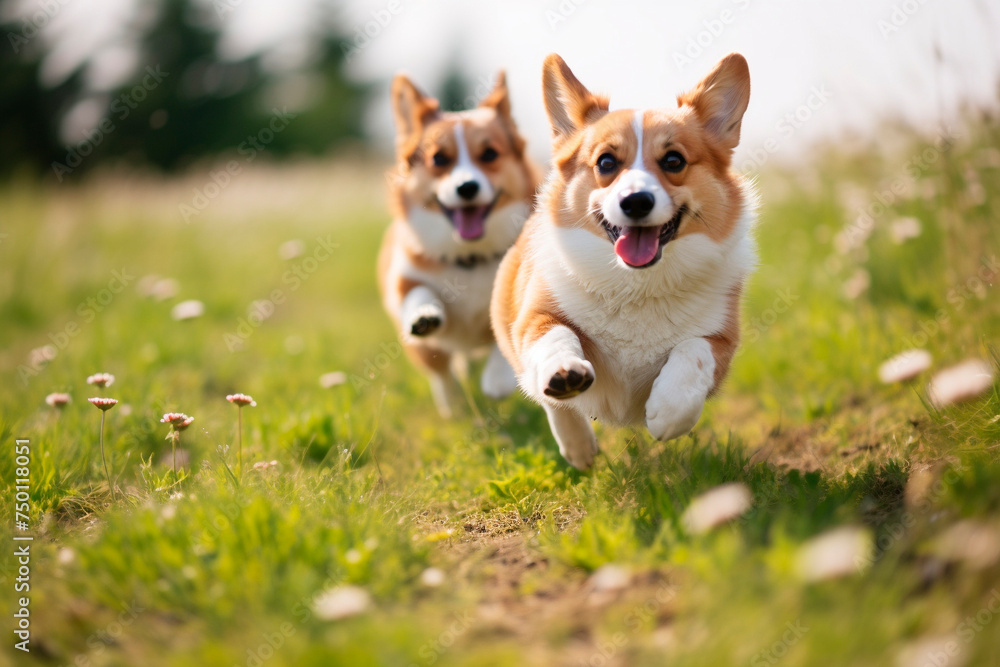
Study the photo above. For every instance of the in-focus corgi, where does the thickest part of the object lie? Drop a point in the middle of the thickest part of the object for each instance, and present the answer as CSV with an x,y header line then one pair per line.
x,y
461,191
620,301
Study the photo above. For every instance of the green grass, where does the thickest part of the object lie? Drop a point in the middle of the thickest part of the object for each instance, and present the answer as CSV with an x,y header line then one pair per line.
x,y
221,566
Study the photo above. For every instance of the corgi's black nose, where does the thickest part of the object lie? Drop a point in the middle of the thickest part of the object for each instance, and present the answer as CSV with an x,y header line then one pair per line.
x,y
468,190
638,204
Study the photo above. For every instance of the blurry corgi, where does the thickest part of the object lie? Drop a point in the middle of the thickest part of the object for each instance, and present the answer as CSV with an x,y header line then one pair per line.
x,y
621,299
460,193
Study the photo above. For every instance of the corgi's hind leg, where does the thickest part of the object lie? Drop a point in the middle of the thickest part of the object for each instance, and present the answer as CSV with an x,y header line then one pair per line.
x,y
498,379
574,434
436,364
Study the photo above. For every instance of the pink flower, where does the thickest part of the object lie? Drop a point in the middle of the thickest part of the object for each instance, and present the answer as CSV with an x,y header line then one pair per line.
x,y
173,418
104,404
178,420
241,400
101,379
57,400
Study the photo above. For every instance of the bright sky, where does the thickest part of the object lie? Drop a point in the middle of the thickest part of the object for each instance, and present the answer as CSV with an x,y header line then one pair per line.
x,y
854,61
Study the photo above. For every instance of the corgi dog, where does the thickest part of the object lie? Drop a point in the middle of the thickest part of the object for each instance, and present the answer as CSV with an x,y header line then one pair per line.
x,y
459,195
620,300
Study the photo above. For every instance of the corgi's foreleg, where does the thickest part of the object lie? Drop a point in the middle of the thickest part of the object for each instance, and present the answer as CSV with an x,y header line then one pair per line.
x,y
680,390
422,312
554,366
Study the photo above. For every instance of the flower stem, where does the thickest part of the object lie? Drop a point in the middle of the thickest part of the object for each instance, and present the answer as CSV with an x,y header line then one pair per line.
x,y
103,459
240,413
173,450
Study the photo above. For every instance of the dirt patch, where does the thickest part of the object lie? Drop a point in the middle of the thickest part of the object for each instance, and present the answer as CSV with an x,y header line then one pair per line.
x,y
565,616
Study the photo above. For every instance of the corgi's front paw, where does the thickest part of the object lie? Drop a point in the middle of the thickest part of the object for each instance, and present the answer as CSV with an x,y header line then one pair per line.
x,y
427,319
566,377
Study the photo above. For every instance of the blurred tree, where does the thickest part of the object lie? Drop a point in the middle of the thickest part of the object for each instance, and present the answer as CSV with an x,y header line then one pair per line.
x,y
456,89
183,103
29,127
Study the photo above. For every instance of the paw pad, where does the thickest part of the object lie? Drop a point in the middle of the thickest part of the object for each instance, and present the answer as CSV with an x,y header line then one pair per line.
x,y
425,325
568,383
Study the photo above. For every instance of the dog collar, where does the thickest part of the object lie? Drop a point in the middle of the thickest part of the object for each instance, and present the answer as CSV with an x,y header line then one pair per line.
x,y
473,260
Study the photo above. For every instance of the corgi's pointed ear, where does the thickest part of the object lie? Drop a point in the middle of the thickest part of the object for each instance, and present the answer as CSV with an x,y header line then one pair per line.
x,y
499,97
721,99
499,100
568,103
412,110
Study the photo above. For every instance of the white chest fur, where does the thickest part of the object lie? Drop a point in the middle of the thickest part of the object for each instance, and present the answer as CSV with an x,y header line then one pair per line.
x,y
464,283
635,317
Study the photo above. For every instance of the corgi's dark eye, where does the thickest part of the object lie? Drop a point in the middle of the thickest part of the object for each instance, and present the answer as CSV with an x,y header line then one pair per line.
x,y
440,159
607,163
672,162
489,155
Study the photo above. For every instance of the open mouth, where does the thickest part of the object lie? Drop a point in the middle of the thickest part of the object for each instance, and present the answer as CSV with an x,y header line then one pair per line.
x,y
641,247
469,221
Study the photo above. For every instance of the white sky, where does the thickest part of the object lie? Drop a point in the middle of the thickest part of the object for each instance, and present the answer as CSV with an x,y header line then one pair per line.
x,y
626,49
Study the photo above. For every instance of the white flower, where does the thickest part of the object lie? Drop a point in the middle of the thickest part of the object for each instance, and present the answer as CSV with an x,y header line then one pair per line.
x,y
974,542
341,602
960,383
188,310
609,578
101,379
432,577
857,284
717,506
329,380
835,553
904,366
57,400
926,651
904,229
165,289
291,249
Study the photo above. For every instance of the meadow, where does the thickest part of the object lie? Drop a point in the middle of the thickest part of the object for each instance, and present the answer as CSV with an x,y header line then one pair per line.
x,y
382,535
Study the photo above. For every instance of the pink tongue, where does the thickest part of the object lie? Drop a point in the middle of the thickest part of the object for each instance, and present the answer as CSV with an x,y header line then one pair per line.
x,y
470,222
637,246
